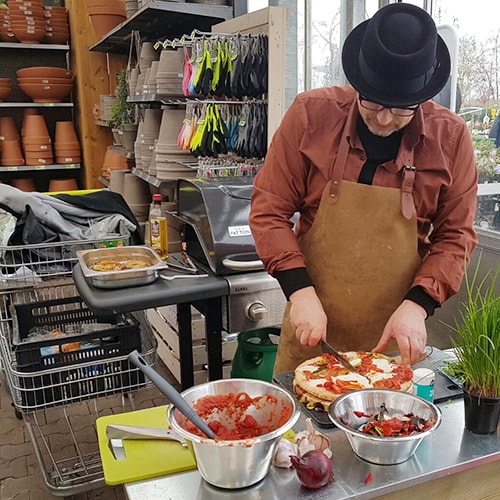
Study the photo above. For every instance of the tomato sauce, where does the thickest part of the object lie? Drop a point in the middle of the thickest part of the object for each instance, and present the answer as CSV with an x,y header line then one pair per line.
x,y
228,415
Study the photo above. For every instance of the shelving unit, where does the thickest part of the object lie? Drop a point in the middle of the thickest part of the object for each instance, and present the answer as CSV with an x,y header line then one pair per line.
x,y
18,55
158,20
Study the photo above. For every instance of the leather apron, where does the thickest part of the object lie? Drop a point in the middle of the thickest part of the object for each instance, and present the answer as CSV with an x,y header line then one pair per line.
x,y
362,255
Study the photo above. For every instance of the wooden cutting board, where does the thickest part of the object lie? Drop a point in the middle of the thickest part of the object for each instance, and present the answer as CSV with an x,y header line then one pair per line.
x,y
144,458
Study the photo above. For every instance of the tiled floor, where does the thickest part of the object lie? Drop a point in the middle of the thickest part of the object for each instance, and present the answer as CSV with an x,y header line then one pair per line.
x,y
20,470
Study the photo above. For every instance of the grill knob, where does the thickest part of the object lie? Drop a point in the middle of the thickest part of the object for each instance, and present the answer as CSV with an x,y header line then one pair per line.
x,y
256,311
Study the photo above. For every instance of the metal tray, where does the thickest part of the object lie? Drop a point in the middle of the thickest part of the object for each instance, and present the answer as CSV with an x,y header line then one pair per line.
x,y
123,278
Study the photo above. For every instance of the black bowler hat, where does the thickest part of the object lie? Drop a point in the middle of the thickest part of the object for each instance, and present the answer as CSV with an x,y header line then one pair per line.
x,y
396,58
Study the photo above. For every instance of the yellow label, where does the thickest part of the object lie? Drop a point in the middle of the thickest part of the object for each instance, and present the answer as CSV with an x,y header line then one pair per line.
x,y
159,236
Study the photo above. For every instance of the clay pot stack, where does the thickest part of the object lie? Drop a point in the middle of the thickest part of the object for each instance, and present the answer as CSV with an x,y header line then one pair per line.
x,y
66,145
104,16
5,34
5,88
45,83
10,143
56,25
170,72
168,155
27,20
37,143
147,133
147,55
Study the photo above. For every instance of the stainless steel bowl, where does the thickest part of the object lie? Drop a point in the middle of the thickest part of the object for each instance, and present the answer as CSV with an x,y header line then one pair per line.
x,y
239,463
382,450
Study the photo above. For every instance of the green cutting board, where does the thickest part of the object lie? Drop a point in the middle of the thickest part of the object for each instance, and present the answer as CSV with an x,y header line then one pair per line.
x,y
144,458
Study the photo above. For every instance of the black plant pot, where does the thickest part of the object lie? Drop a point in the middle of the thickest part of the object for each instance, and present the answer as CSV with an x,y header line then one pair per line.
x,y
481,413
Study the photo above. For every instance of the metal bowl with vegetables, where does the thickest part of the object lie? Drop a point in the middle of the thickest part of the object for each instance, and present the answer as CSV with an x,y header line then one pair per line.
x,y
382,426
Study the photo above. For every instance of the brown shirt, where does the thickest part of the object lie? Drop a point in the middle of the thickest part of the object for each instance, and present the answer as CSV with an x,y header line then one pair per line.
x,y
299,163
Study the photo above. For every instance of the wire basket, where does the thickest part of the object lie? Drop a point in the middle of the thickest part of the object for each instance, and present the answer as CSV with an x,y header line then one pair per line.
x,y
43,373
30,265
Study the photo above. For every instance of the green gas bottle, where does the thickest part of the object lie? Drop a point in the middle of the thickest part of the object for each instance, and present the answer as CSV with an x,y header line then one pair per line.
x,y
256,354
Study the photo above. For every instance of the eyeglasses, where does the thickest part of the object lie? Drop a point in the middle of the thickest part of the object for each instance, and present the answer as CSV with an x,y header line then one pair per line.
x,y
374,106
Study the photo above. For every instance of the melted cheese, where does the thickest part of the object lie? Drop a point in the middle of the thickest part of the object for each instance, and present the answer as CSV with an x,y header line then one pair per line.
x,y
362,381
382,364
352,357
379,376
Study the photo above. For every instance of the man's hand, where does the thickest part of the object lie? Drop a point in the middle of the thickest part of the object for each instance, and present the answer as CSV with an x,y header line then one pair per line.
x,y
407,327
307,316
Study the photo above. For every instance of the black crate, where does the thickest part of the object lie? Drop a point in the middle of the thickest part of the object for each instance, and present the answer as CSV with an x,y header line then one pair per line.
x,y
71,376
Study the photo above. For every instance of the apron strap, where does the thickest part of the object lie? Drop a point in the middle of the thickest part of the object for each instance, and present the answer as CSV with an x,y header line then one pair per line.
x,y
407,203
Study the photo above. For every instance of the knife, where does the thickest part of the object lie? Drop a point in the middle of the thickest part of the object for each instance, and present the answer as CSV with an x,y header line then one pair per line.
x,y
331,350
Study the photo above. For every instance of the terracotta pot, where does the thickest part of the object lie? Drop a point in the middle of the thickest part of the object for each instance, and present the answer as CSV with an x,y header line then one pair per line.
x,y
45,154
44,80
33,141
24,184
44,72
68,152
63,185
26,35
104,23
12,153
35,160
35,149
65,146
65,132
68,160
8,128
34,126
4,92
46,93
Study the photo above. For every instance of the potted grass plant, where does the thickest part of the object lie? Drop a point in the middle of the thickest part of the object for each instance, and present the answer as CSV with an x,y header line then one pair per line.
x,y
123,112
477,347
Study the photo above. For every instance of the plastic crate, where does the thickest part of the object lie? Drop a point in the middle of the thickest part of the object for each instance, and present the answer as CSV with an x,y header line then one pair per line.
x,y
72,360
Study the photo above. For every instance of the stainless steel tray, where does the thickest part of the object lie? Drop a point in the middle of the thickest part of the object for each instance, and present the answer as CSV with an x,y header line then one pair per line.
x,y
120,278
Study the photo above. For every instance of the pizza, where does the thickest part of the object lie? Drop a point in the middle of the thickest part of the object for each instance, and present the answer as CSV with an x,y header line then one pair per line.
x,y
319,381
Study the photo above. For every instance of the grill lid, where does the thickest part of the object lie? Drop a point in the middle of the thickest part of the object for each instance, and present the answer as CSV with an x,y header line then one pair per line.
x,y
216,213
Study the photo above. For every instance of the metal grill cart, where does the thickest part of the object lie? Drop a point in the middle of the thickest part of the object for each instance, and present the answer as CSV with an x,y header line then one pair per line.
x,y
62,363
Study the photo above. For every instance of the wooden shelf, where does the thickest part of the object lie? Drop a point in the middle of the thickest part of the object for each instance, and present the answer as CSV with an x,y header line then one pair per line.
x,y
36,104
35,46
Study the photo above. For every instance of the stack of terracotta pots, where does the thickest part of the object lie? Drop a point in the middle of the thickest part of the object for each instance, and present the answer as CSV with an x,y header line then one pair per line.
x,y
66,143
56,25
27,20
104,16
10,143
45,83
5,88
37,143
5,34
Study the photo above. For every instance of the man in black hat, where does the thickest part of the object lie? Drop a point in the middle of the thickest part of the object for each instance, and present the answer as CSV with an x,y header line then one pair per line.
x,y
385,184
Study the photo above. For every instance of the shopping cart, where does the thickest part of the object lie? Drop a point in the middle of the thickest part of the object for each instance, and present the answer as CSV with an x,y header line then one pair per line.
x,y
62,364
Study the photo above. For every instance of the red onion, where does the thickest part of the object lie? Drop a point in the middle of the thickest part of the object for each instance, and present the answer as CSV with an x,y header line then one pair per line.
x,y
314,469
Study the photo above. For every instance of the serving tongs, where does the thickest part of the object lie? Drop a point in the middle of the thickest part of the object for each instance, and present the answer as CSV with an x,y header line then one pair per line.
x,y
336,354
